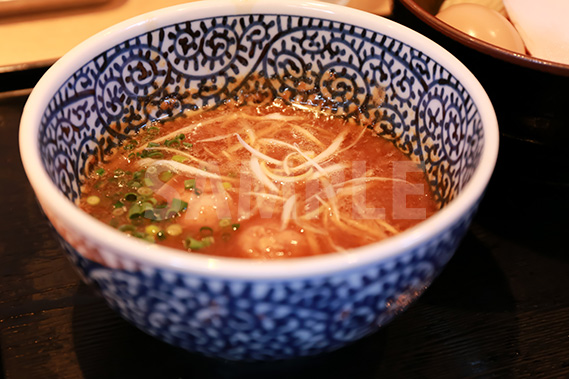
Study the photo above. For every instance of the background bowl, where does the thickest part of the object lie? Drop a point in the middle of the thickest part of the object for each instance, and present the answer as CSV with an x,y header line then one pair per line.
x,y
529,95
436,112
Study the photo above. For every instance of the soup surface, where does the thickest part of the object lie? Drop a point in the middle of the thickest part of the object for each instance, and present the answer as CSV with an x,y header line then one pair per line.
x,y
263,182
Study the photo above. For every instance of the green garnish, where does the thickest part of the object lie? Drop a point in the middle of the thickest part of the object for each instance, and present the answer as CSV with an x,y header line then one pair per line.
x,y
135,211
175,141
224,222
134,184
180,158
148,182
235,226
145,191
118,204
138,175
127,228
189,183
178,205
131,196
100,171
194,244
206,231
166,175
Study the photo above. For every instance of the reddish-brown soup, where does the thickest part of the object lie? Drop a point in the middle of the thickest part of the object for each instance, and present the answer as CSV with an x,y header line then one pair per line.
x,y
258,182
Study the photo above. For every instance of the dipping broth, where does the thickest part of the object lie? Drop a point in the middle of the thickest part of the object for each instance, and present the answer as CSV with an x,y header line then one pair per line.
x,y
264,182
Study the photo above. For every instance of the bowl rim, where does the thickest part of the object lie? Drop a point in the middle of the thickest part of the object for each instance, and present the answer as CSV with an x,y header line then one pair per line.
x,y
112,240
479,45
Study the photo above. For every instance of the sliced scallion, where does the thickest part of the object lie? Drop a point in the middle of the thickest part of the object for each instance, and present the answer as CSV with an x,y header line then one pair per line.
x,y
178,205
145,191
189,183
131,196
135,211
127,228
148,182
180,158
224,222
165,176
206,231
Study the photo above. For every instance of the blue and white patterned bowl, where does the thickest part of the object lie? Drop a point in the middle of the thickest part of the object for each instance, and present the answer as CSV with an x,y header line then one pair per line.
x,y
435,111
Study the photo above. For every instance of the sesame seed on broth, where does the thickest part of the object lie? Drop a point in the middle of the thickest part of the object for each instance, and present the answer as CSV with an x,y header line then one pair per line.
x,y
263,182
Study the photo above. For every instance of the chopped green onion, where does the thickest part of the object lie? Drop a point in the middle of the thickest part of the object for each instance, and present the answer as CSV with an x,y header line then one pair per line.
x,y
93,200
118,204
206,231
127,228
147,206
118,173
138,175
166,175
194,244
151,214
153,144
171,213
135,211
145,191
189,183
100,171
134,184
224,222
118,212
207,241
235,226
148,182
187,144
178,205
152,200
131,196
180,158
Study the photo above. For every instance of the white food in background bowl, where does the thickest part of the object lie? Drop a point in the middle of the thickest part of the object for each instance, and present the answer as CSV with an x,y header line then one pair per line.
x,y
543,26
483,23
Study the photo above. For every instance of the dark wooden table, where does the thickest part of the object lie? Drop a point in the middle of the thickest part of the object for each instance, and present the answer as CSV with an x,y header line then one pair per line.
x,y
499,309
